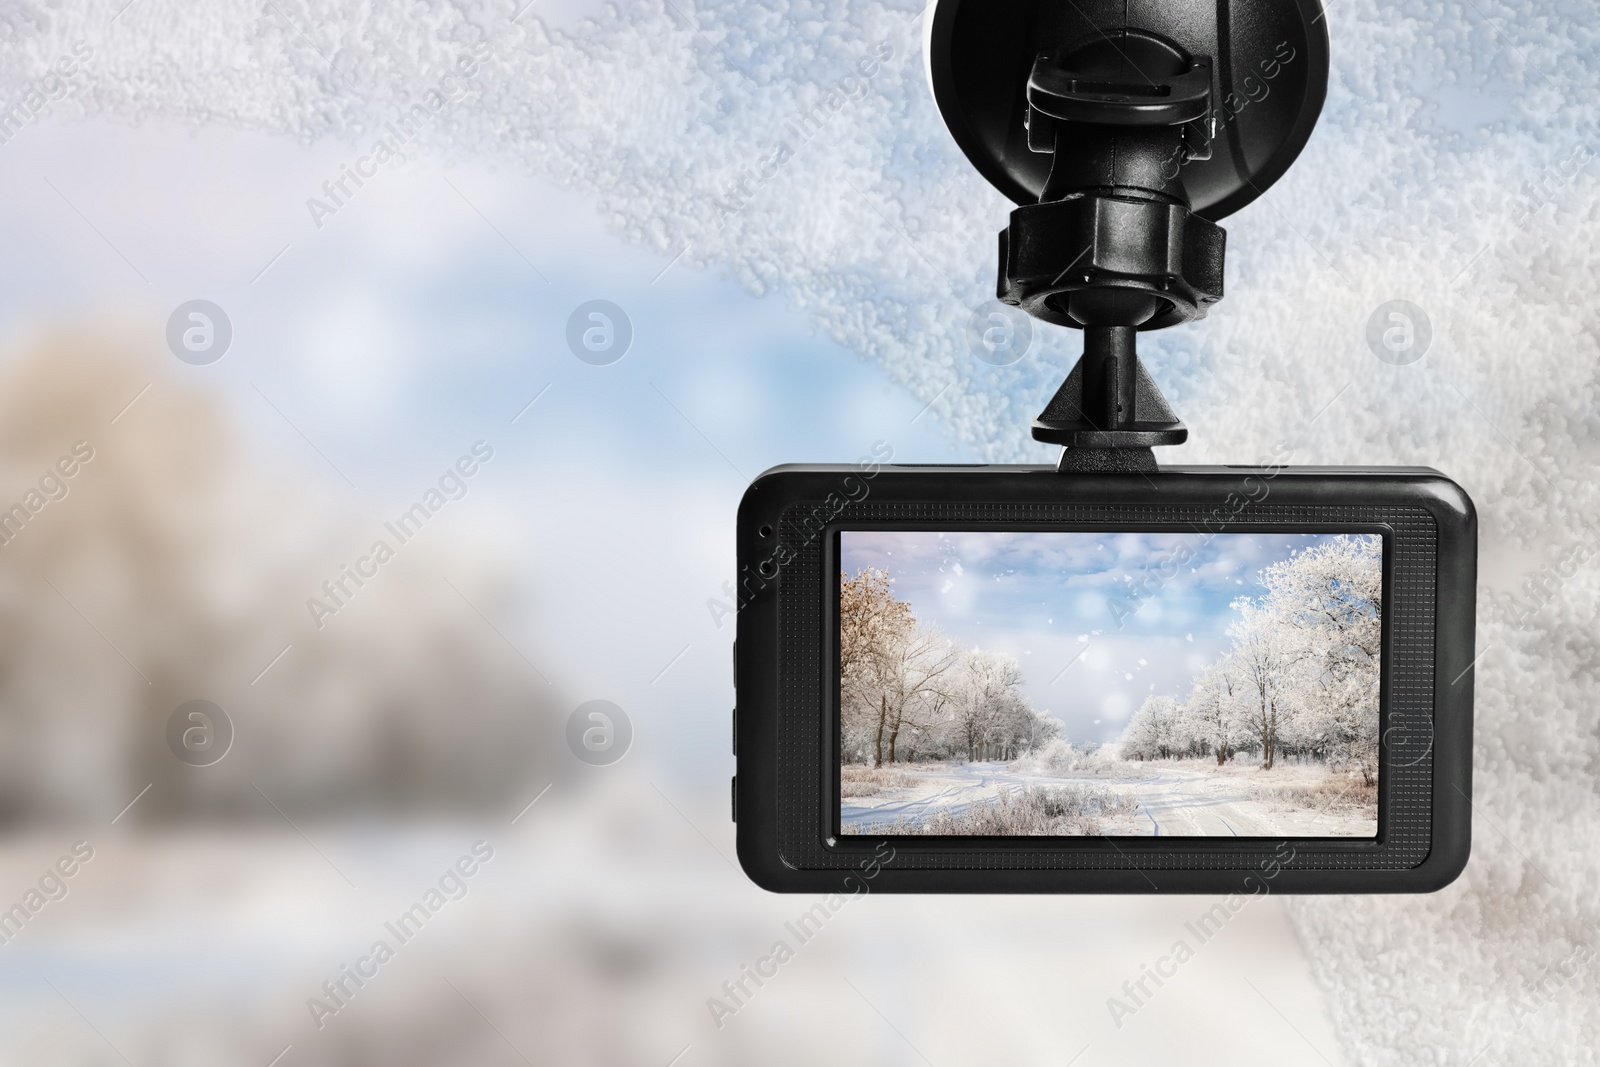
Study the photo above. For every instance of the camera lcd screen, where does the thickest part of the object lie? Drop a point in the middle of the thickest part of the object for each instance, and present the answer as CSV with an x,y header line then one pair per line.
x,y
1084,684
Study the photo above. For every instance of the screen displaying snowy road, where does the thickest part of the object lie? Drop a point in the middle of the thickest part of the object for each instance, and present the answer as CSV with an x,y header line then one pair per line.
x,y
1109,684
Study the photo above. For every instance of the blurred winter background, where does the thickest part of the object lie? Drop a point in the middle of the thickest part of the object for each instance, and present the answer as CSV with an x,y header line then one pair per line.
x,y
158,152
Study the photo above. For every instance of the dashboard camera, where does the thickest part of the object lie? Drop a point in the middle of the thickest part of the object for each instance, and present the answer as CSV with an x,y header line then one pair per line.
x,y
1109,675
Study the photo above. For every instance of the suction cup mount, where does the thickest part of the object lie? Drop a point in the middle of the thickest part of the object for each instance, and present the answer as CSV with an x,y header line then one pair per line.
x,y
1123,129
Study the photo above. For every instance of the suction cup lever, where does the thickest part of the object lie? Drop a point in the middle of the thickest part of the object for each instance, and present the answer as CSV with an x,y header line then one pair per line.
x,y
1056,90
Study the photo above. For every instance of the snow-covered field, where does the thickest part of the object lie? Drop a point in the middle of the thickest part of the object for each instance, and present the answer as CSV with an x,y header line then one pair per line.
x,y
1173,798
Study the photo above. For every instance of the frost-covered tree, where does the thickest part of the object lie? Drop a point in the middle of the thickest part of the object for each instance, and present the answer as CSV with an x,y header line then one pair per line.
x,y
1155,730
1329,602
1333,590
868,616
913,667
1010,725
1267,657
1301,674
986,681
907,692
1042,730
1214,717
871,622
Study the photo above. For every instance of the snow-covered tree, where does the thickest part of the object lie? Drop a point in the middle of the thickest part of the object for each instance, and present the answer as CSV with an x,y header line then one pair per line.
x,y
1042,730
1010,725
985,680
1214,718
907,692
1267,657
1329,600
1154,732
1301,675
1334,590
871,620
912,667
868,615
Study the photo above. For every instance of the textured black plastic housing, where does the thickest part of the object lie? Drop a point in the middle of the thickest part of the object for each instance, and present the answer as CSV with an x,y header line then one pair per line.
x,y
786,789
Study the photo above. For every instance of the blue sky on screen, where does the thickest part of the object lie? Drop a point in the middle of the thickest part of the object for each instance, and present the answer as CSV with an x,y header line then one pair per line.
x,y
1048,599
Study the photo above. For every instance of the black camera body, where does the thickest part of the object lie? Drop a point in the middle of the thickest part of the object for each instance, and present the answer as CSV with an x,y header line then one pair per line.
x,y
797,523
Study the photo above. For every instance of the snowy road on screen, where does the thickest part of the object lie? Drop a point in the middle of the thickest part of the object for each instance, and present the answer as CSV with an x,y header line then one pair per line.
x,y
1182,800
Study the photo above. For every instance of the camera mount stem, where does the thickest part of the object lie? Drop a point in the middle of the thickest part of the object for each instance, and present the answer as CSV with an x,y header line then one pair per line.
x,y
1112,246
